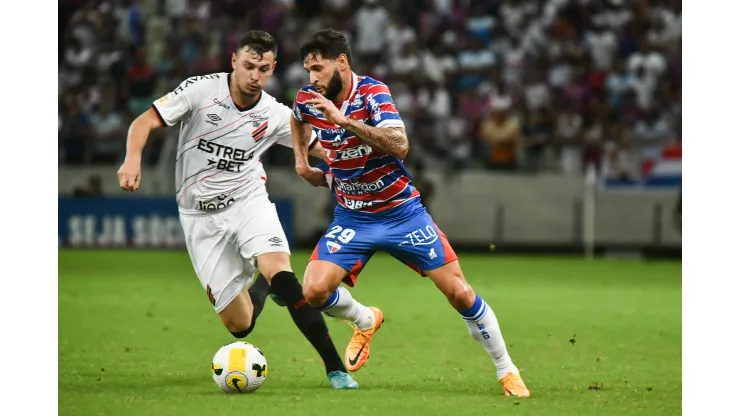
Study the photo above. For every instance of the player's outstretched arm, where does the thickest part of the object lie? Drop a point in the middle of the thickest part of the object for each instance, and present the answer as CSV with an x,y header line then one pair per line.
x,y
301,135
129,175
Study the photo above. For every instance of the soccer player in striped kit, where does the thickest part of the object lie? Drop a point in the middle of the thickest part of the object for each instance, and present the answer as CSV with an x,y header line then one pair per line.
x,y
378,208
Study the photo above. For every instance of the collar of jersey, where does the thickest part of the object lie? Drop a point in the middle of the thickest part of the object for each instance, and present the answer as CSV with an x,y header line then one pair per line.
x,y
240,109
345,103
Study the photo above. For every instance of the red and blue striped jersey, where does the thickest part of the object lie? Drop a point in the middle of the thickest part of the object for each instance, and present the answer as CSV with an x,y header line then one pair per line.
x,y
364,180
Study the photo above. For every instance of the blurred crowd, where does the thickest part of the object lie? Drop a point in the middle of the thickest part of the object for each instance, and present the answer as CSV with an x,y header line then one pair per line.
x,y
516,85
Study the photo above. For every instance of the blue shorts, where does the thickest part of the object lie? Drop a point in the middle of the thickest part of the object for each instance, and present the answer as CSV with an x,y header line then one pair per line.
x,y
407,233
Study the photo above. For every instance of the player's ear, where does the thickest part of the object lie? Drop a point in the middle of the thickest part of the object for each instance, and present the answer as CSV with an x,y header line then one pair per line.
x,y
342,61
233,60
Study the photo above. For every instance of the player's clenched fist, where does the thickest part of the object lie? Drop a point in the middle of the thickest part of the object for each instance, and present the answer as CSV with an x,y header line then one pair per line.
x,y
129,176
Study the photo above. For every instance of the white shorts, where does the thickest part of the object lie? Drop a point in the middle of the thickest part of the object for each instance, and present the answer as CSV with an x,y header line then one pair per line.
x,y
223,246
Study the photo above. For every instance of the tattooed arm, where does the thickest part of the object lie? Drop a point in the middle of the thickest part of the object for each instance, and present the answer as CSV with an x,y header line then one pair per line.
x,y
389,140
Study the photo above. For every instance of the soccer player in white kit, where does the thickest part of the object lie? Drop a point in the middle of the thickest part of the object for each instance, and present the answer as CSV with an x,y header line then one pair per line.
x,y
231,228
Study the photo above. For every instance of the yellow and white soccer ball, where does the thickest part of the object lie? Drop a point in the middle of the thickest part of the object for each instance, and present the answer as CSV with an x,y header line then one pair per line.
x,y
239,367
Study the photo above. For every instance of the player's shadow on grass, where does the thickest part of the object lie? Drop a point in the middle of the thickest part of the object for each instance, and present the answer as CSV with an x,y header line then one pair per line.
x,y
117,383
431,387
263,391
276,389
195,386
272,390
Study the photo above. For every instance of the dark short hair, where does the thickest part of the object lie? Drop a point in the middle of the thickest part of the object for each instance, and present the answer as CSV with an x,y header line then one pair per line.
x,y
328,43
258,41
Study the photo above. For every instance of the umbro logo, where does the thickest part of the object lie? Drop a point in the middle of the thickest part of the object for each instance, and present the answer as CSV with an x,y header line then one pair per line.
x,y
276,241
212,119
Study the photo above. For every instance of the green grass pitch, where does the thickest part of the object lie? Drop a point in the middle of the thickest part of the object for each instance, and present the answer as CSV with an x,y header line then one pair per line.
x,y
137,333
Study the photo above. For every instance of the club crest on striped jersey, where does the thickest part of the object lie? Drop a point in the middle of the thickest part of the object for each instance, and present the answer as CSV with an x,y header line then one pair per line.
x,y
358,101
260,130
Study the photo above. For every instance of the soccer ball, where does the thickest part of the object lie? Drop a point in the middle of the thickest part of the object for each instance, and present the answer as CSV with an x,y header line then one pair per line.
x,y
239,367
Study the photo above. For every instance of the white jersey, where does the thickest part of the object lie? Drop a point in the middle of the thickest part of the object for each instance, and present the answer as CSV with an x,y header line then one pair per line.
x,y
220,144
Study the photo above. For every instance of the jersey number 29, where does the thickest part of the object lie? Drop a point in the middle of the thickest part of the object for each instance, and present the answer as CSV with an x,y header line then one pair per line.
x,y
345,235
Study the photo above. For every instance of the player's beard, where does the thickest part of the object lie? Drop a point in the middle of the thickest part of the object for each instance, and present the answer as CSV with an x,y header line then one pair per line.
x,y
334,87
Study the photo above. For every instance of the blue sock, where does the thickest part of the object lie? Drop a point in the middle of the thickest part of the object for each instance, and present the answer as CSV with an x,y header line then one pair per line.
x,y
341,305
332,301
476,312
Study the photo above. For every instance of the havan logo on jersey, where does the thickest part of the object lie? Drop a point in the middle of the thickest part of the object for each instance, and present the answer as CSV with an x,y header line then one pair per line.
x,y
192,80
225,158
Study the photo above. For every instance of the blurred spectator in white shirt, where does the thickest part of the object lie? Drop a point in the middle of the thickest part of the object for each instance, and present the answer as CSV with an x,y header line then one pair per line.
x,y
437,65
435,99
602,44
397,36
77,56
372,22
408,64
647,59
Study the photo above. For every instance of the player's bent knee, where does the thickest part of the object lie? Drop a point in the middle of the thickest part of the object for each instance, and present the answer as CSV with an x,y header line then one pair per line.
x,y
316,294
320,280
449,280
237,318
240,327
311,294
463,299
461,296
270,264
237,325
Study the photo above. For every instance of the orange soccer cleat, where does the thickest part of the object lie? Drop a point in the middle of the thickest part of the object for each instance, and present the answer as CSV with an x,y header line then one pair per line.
x,y
514,385
358,350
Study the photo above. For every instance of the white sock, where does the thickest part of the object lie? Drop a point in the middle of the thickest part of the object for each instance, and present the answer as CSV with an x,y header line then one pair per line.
x,y
483,327
341,305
